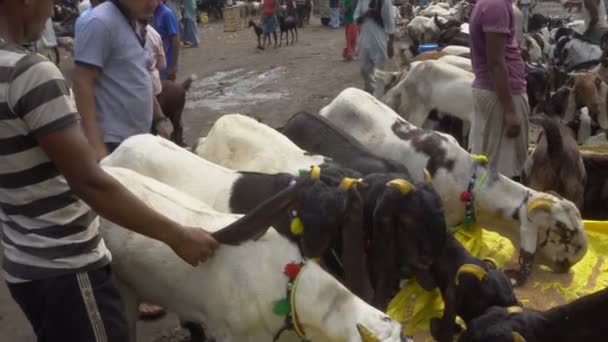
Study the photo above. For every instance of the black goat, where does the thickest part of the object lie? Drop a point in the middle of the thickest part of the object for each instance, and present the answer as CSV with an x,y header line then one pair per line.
x,y
468,287
258,32
581,320
288,24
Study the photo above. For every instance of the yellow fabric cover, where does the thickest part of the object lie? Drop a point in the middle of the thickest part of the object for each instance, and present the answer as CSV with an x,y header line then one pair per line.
x,y
414,307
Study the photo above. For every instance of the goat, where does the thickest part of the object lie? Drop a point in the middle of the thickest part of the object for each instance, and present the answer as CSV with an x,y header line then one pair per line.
x,y
556,164
466,299
384,271
288,24
502,202
587,90
258,32
315,134
432,85
580,320
234,293
172,100
596,188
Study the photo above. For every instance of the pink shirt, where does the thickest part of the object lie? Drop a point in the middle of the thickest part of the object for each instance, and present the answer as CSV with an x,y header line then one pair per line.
x,y
154,44
495,16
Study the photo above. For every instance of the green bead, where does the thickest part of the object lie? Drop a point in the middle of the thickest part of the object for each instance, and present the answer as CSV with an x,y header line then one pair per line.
x,y
281,307
303,172
467,222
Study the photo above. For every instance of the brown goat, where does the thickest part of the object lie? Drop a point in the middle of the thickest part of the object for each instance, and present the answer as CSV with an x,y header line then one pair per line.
x,y
556,164
588,90
596,188
172,100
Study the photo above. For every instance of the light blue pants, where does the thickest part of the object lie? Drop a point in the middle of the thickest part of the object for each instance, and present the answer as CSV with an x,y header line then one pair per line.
x,y
334,15
372,58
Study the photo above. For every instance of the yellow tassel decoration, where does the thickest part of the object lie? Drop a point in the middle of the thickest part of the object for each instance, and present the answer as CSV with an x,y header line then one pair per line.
x,y
297,228
480,158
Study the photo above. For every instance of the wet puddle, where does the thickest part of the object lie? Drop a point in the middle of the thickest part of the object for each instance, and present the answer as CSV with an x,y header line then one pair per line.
x,y
226,89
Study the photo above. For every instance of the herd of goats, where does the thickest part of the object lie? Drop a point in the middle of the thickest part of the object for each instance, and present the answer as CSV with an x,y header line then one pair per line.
x,y
358,199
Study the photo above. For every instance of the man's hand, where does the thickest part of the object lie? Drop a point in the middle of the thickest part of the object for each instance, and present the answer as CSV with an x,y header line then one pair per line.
x,y
171,74
164,128
512,122
194,245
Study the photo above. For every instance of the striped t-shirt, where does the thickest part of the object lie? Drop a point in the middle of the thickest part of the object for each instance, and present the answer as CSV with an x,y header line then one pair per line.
x,y
46,230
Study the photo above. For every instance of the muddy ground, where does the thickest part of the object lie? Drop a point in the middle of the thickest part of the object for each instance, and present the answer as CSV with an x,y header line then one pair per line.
x,y
235,77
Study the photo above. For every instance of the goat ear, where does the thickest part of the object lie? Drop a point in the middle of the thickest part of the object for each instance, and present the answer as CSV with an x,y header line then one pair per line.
x,y
354,259
257,222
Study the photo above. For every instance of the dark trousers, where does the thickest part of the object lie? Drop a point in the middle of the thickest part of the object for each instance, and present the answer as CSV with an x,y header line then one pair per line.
x,y
83,307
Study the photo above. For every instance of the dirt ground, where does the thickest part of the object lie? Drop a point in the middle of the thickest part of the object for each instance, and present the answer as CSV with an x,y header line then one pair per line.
x,y
235,77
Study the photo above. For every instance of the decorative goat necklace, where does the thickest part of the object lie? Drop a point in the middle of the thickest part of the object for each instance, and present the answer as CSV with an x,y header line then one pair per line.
x,y
468,196
287,306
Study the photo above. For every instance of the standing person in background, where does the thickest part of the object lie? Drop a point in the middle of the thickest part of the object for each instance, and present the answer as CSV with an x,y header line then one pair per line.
x,y
334,13
594,12
351,29
176,7
500,126
269,21
190,37
376,20
300,8
165,23
526,7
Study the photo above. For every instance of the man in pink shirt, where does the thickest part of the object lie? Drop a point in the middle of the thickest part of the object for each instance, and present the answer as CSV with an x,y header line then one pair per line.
x,y
500,126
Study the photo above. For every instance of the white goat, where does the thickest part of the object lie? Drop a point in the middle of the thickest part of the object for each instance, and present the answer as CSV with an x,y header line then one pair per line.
x,y
544,221
456,50
234,142
432,85
457,61
233,293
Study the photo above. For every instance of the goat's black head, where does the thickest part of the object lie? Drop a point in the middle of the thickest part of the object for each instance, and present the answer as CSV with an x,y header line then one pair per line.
x,y
411,216
322,208
499,324
483,286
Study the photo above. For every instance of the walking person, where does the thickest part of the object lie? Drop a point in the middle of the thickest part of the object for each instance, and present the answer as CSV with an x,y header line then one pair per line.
x,y
500,127
300,10
377,28
191,34
52,189
269,21
351,29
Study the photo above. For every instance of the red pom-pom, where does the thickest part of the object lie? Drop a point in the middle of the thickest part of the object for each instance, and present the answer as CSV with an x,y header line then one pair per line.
x,y
466,196
292,269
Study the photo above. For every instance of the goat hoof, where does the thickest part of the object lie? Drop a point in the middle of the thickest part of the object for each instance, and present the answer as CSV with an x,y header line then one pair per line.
x,y
516,277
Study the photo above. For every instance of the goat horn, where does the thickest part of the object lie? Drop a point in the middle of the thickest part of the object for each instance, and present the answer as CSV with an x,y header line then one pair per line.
x,y
427,176
517,337
402,185
315,172
543,204
366,335
471,269
348,183
514,309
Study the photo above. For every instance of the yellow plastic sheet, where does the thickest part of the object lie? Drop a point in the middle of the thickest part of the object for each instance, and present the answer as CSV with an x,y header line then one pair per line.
x,y
414,307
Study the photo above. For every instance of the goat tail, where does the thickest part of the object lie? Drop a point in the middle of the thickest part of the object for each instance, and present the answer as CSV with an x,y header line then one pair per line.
x,y
555,143
188,82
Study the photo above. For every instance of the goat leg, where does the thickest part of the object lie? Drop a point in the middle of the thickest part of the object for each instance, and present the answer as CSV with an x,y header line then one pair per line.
x,y
442,329
519,277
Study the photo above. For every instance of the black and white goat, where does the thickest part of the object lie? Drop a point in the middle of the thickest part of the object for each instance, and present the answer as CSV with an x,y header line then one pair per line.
x,y
581,320
391,205
544,222
464,296
234,293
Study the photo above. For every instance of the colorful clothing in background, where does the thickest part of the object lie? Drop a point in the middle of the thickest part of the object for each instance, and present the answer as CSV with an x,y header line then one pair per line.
x,y
351,29
165,23
334,13
158,61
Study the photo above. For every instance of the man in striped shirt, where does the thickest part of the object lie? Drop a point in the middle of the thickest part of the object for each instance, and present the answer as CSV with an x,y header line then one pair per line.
x,y
55,262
